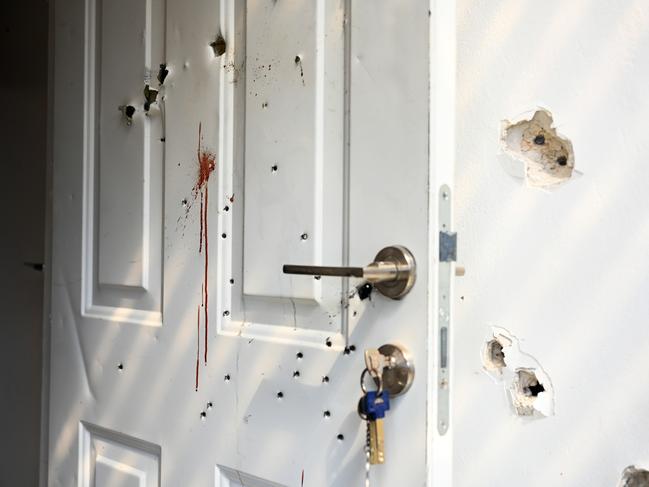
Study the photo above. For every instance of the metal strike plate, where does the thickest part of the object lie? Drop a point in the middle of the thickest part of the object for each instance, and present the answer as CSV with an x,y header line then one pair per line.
x,y
447,256
399,371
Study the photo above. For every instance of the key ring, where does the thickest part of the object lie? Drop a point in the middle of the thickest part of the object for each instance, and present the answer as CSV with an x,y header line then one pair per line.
x,y
364,389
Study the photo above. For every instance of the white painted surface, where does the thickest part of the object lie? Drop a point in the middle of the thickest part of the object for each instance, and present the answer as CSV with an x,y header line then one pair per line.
x,y
131,381
565,272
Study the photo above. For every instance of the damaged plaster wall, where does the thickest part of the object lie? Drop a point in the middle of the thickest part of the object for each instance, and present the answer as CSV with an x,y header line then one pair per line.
x,y
634,477
528,387
564,267
545,158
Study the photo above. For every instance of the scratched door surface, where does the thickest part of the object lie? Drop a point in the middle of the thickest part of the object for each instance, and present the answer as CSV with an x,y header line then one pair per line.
x,y
198,147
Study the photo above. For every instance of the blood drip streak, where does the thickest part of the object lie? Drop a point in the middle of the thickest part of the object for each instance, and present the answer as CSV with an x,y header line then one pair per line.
x,y
198,342
206,164
200,244
205,272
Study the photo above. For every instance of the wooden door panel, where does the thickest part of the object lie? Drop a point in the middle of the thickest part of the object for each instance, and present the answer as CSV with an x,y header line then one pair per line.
x,y
123,162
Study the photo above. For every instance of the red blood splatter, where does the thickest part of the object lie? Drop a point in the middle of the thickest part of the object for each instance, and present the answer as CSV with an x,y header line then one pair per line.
x,y
206,164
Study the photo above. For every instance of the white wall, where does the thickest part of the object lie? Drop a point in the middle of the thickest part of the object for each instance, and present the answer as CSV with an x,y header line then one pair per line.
x,y
566,272
23,110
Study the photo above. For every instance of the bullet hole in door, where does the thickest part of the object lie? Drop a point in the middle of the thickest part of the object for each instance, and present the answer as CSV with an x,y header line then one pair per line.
x,y
273,168
364,290
328,342
527,386
327,414
120,366
537,153
209,405
296,374
150,97
226,378
325,379
163,72
299,355
280,395
203,415
634,477
340,437
128,111
218,46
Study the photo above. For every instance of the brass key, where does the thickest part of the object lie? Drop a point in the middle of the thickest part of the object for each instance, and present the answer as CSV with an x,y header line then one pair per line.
x,y
377,447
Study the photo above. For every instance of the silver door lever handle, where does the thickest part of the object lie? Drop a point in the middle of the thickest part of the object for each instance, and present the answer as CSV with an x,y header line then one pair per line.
x,y
393,271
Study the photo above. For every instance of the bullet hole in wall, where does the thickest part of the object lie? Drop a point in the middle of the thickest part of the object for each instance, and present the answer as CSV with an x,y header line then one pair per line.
x,y
524,391
537,153
527,386
494,357
634,477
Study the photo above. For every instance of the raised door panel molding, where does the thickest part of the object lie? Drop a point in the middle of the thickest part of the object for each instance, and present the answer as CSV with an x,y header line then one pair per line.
x,y
108,458
283,169
123,161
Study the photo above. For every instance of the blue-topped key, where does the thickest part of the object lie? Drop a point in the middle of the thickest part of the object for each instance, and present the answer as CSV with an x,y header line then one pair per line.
x,y
375,405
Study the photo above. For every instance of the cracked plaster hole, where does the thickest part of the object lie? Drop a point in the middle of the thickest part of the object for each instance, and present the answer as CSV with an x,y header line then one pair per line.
x,y
527,386
525,390
634,477
494,358
542,157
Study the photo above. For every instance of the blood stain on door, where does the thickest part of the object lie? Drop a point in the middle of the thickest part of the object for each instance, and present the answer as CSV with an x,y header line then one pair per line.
x,y
206,164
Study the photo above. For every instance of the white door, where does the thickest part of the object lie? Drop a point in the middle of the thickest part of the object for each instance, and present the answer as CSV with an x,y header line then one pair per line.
x,y
556,273
199,147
